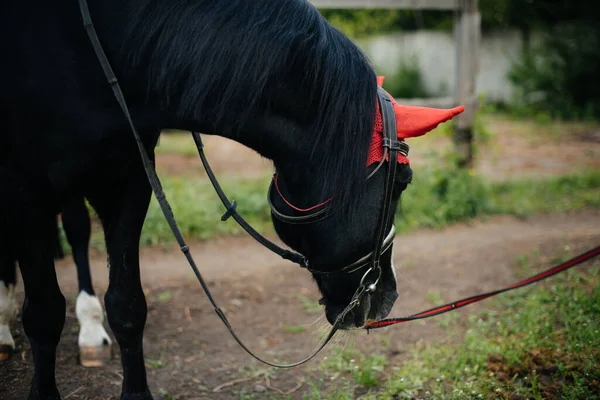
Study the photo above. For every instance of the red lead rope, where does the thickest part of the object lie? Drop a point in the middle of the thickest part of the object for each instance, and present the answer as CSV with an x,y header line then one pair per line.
x,y
473,299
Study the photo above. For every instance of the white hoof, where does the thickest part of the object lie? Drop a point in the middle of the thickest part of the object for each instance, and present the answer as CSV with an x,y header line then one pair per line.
x,y
8,312
90,315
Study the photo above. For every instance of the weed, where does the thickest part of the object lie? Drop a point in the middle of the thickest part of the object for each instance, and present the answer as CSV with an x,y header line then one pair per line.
x,y
154,364
294,329
165,296
441,194
407,82
310,306
541,342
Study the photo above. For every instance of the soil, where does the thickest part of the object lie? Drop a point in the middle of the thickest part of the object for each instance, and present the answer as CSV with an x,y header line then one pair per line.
x,y
508,154
189,352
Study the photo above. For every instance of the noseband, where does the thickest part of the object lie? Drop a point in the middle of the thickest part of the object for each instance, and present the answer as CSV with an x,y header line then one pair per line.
x,y
391,147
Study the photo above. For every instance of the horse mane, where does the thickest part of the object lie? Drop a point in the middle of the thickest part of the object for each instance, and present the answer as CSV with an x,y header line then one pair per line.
x,y
185,47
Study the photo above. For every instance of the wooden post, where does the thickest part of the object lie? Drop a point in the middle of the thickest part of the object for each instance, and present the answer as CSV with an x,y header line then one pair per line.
x,y
468,37
389,4
468,31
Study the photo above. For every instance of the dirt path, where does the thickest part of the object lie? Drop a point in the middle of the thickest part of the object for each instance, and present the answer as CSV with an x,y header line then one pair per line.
x,y
189,353
516,150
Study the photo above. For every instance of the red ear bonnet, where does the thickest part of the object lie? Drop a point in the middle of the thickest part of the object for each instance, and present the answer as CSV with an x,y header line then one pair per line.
x,y
410,122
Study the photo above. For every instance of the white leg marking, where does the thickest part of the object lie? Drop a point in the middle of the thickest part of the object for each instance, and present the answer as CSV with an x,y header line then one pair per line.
x,y
392,265
90,315
8,312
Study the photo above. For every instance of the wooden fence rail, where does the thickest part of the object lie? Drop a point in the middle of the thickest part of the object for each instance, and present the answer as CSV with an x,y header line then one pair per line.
x,y
468,37
389,4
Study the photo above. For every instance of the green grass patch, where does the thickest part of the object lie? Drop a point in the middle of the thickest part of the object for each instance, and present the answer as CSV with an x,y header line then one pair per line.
x,y
538,343
364,370
311,306
198,209
293,329
176,142
442,196
437,197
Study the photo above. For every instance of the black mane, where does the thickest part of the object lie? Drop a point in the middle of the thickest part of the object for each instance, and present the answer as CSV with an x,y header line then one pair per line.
x,y
224,59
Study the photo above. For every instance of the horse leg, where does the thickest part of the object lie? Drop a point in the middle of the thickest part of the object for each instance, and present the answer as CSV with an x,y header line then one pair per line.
x,y
59,254
94,342
8,303
122,213
43,312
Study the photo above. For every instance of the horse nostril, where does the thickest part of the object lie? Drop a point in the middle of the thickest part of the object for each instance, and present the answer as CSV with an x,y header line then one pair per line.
x,y
322,301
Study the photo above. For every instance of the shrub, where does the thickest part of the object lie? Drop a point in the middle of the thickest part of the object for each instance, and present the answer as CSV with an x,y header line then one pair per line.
x,y
407,82
559,75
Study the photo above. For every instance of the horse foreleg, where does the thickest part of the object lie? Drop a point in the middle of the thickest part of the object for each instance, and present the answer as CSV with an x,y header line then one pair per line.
x,y
122,213
94,342
8,303
43,312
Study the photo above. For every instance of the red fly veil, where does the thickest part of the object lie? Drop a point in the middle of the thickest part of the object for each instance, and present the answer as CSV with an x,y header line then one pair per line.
x,y
410,122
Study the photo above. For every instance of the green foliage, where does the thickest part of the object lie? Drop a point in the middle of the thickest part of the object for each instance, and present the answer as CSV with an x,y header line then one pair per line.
x,y
293,329
441,194
503,354
559,75
310,306
534,343
553,195
407,82
197,209
364,370
363,22
444,193
496,14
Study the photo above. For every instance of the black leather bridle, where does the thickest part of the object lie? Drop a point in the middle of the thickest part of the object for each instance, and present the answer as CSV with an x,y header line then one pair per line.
x,y
391,146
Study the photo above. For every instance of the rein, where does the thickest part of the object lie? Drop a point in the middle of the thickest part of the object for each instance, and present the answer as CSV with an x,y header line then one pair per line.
x,y
588,255
392,146
231,208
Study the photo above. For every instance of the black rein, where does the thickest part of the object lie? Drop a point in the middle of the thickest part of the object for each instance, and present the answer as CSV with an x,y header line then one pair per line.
x,y
391,148
390,143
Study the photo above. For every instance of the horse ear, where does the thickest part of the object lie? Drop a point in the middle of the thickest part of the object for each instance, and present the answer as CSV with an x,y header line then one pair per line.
x,y
417,121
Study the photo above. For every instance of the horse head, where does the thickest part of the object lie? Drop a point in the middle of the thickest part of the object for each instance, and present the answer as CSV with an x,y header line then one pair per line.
x,y
340,245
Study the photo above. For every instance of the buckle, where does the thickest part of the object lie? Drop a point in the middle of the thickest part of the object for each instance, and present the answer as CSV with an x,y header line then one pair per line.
x,y
404,149
230,211
397,145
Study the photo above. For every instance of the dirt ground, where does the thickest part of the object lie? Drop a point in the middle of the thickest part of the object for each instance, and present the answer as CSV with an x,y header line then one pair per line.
x,y
510,153
189,353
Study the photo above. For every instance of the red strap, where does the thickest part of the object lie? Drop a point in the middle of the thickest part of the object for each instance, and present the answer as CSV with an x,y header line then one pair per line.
x,y
473,299
293,206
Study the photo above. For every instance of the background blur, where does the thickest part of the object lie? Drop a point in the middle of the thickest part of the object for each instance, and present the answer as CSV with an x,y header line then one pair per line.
x,y
530,199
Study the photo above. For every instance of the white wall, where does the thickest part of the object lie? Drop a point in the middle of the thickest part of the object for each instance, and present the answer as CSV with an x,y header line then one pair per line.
x,y
436,53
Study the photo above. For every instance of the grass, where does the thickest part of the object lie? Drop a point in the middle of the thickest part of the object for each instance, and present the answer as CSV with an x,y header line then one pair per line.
x,y
198,209
311,307
440,197
538,343
293,329
176,142
436,198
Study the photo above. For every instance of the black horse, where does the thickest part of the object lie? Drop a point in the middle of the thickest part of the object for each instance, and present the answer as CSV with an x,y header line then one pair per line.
x,y
270,74
94,343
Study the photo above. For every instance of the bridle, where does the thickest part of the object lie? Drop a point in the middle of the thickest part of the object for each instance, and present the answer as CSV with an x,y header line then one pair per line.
x,y
391,146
